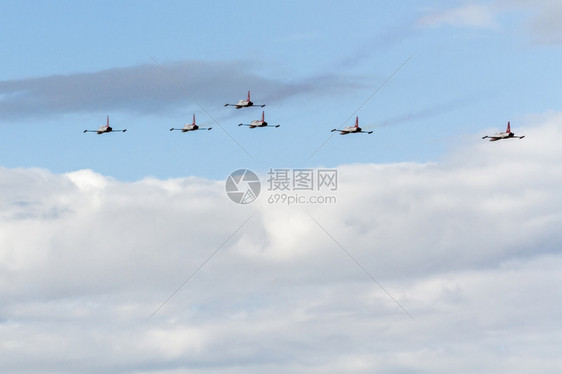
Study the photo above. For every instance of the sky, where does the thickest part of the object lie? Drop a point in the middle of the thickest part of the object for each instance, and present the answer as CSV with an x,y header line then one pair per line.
x,y
438,251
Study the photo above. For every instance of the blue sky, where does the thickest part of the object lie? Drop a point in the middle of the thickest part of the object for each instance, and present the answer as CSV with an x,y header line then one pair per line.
x,y
123,254
471,72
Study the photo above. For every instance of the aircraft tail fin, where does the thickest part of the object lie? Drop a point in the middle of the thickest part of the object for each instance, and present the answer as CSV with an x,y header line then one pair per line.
x,y
508,128
248,95
193,120
356,121
262,116
107,120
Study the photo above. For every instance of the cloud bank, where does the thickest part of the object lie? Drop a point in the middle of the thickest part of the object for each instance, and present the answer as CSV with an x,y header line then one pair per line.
x,y
469,246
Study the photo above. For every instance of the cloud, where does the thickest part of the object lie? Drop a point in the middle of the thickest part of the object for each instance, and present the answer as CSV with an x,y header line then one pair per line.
x,y
470,246
148,89
470,15
540,18
543,19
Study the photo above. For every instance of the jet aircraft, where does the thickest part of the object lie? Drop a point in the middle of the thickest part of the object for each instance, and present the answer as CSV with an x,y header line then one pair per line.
x,y
105,129
245,103
258,123
352,129
503,135
191,127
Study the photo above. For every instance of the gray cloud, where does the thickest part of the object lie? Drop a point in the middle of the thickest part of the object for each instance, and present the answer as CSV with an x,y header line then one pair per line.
x,y
147,89
469,246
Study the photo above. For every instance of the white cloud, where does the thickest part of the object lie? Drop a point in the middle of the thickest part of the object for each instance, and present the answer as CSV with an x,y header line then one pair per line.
x,y
540,18
469,246
470,15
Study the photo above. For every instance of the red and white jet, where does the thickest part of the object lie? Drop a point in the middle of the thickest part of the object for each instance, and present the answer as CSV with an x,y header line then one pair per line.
x,y
105,128
258,123
503,135
191,127
352,129
245,103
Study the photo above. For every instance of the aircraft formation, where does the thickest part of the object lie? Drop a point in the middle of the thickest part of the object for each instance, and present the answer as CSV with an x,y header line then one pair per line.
x,y
247,103
244,103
